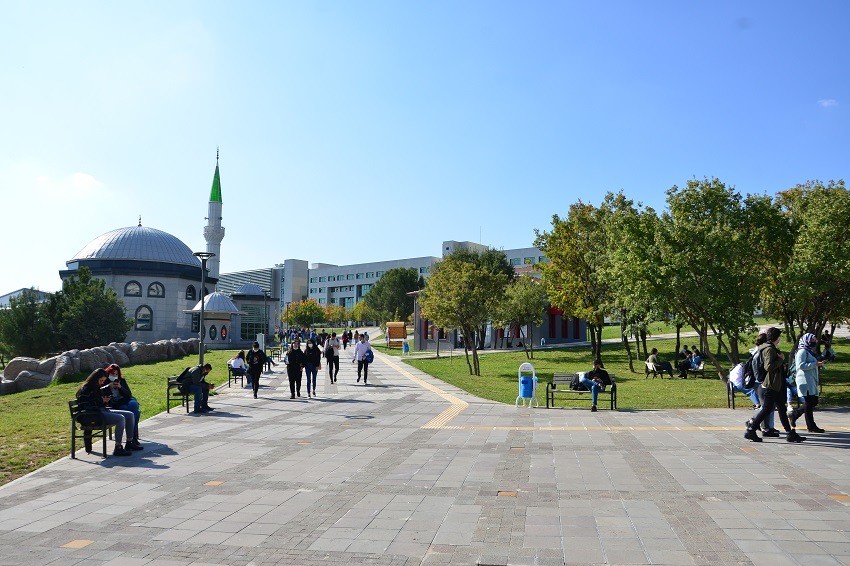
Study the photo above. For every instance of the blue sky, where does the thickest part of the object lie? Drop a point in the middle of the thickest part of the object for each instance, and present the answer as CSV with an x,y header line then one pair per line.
x,y
364,131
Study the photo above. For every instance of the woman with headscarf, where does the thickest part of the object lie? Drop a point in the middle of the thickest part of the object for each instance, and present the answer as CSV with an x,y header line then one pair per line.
x,y
808,382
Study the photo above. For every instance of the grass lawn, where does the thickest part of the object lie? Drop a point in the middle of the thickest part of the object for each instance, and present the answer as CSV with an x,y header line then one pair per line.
x,y
498,380
612,331
35,425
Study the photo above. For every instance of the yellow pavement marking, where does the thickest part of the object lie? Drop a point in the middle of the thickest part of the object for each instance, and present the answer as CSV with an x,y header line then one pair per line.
x,y
507,494
79,543
214,483
440,421
840,497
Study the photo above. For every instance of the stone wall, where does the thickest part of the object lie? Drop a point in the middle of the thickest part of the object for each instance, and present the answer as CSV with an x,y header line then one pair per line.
x,y
22,374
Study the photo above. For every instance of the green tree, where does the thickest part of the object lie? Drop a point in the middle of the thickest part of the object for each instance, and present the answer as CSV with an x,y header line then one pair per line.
x,y
524,304
495,264
808,286
336,314
86,313
387,299
712,248
462,294
25,327
303,313
360,312
575,275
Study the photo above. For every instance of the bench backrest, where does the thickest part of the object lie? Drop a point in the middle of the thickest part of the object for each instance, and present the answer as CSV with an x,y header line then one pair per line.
x,y
562,378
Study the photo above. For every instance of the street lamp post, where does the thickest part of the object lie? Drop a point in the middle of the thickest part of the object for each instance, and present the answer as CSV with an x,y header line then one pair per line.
x,y
204,256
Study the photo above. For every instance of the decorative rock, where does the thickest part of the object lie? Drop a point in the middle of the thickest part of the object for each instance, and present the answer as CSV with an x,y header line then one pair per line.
x,y
46,367
64,366
158,351
118,356
7,387
139,353
194,345
88,361
17,365
27,380
124,347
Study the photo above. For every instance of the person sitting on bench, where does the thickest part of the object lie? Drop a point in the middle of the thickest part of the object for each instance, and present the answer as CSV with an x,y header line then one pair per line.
x,y
595,381
92,397
199,388
122,399
659,365
736,378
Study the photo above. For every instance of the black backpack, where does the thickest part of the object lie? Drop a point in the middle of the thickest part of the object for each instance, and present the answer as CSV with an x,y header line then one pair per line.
x,y
758,370
576,384
183,381
749,376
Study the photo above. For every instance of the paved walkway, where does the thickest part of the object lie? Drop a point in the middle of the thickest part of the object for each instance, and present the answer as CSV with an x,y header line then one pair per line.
x,y
408,470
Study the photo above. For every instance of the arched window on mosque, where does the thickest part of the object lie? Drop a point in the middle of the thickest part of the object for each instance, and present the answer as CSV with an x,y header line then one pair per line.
x,y
132,289
213,333
144,318
190,293
156,290
223,332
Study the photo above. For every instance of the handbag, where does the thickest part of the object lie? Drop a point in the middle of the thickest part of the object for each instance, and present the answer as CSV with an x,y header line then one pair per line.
x,y
369,357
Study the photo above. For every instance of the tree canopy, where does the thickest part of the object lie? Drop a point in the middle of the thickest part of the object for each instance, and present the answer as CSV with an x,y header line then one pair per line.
x,y
387,300
303,313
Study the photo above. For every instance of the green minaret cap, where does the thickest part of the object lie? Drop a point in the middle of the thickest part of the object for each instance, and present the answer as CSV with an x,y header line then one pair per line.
x,y
215,193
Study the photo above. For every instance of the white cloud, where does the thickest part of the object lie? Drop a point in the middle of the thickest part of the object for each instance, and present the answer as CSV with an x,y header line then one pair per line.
x,y
827,103
76,185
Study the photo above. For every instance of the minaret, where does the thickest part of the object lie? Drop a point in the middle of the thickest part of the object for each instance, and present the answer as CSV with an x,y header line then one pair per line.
x,y
214,231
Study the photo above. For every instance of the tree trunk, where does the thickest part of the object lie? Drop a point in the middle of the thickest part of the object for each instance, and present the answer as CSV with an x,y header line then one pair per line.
x,y
466,351
678,338
530,341
626,344
475,364
523,337
643,341
637,347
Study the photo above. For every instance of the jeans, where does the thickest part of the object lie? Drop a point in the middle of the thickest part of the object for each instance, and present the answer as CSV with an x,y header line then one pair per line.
x,y
201,392
121,420
333,367
363,366
751,393
133,407
254,379
311,376
593,387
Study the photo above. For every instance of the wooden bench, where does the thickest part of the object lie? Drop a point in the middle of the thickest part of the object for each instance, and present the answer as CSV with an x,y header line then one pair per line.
x,y
560,386
173,393
86,432
235,376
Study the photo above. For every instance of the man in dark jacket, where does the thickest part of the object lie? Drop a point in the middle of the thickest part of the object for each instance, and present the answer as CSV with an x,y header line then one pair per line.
x,y
256,359
199,388
295,362
774,389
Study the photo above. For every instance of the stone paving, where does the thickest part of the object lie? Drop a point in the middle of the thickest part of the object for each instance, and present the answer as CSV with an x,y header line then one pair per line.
x,y
409,470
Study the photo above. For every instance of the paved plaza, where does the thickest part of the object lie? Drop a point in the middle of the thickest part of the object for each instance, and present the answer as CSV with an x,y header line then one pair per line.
x,y
409,470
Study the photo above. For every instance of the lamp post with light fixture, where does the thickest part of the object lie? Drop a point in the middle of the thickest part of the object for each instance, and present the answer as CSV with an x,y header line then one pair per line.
x,y
203,256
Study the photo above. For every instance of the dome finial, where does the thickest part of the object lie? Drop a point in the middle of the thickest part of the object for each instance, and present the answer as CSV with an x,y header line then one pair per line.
x,y
216,155
140,220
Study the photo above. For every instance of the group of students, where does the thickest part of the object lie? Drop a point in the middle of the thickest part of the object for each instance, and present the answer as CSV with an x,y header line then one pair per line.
x,y
771,381
307,361
104,398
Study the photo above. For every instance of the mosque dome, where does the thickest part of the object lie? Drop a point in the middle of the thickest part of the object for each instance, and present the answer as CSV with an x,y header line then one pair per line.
x,y
250,290
138,243
216,302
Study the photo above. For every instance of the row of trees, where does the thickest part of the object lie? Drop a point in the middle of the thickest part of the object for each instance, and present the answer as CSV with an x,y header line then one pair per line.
x,y
709,261
84,314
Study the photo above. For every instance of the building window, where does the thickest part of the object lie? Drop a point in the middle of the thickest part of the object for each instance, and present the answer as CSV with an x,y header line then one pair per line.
x,y
514,261
333,301
359,276
191,293
321,289
528,261
331,278
223,332
312,280
213,332
322,279
156,290
370,275
312,290
542,259
144,318
132,289
196,323
350,276
321,301
423,270
378,273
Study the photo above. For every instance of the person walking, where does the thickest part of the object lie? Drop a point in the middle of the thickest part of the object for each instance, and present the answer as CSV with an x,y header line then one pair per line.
x,y
256,359
313,364
361,353
808,382
332,355
295,362
773,362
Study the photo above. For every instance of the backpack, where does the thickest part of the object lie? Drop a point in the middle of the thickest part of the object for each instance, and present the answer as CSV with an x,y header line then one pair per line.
x,y
576,384
92,419
758,369
749,376
370,357
183,381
